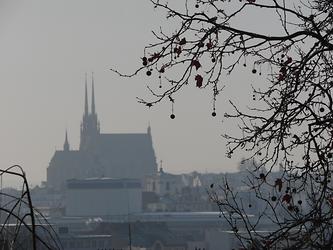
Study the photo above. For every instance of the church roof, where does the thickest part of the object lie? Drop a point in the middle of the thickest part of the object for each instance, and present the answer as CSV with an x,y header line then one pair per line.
x,y
125,145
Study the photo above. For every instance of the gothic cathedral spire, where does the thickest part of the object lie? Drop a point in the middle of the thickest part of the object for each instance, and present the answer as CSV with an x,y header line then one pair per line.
x,y
90,126
66,144
92,95
86,98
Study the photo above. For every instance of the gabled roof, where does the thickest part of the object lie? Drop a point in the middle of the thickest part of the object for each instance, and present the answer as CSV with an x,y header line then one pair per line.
x,y
119,144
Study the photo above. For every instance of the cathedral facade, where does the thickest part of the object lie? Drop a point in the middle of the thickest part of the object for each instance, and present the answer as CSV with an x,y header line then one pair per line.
x,y
129,155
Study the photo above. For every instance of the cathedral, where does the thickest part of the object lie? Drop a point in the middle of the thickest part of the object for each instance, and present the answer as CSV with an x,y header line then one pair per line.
x,y
129,155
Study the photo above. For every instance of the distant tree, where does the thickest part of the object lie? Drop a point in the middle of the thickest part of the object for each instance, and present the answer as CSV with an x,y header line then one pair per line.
x,y
292,123
249,165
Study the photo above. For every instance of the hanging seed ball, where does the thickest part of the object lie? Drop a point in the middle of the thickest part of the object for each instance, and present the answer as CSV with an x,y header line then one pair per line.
x,y
274,198
244,64
212,185
321,109
144,61
254,71
250,205
197,5
213,60
213,113
172,116
294,190
148,73
262,176
299,202
282,55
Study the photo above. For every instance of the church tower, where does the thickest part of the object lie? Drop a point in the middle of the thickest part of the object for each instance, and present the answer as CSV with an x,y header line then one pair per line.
x,y
90,127
66,144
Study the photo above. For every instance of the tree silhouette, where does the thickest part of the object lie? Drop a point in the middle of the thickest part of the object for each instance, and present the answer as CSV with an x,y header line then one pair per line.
x,y
292,122
21,225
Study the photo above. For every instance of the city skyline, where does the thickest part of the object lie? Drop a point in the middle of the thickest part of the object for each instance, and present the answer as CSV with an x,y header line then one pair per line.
x,y
47,47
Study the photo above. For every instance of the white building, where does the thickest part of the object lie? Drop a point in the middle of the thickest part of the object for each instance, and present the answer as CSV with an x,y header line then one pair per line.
x,y
163,183
103,197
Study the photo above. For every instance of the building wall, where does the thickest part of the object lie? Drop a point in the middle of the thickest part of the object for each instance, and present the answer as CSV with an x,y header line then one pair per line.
x,y
163,183
103,198
217,239
87,242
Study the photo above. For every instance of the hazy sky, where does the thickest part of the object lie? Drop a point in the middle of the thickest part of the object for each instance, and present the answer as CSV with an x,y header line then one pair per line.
x,y
45,49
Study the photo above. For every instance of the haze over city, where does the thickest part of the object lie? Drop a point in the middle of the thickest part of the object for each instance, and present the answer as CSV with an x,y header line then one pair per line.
x,y
166,125
47,47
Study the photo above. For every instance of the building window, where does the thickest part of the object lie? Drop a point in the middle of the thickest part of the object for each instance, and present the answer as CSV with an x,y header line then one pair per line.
x,y
158,246
154,186
87,243
64,244
71,244
167,186
101,243
63,230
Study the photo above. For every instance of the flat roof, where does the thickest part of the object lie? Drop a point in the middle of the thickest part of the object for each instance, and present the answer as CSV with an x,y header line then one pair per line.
x,y
157,217
85,236
103,183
